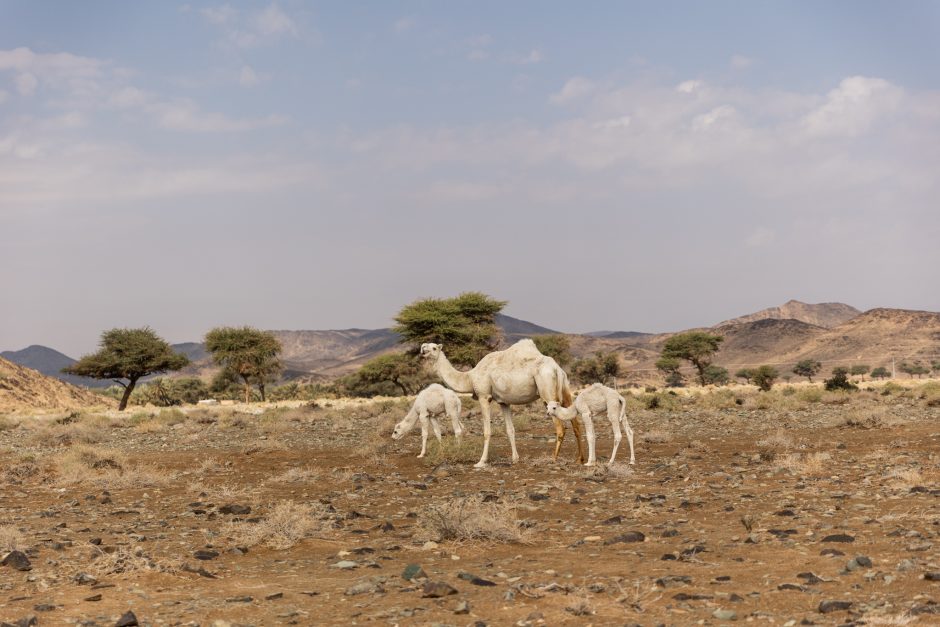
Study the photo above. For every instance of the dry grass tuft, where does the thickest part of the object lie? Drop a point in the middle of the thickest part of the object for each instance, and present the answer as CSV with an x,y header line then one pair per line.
x,y
107,469
656,436
905,478
10,539
470,518
286,525
449,450
297,475
804,463
124,560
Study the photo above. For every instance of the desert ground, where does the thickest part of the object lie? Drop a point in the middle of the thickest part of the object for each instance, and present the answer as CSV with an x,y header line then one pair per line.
x,y
791,507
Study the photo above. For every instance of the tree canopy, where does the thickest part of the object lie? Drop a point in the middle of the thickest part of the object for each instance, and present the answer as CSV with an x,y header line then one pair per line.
x,y
464,325
556,346
128,354
403,371
247,353
697,347
600,368
807,368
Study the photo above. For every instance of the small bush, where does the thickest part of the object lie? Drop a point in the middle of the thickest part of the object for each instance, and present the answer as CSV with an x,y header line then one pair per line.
x,y
10,539
286,525
471,518
764,377
839,380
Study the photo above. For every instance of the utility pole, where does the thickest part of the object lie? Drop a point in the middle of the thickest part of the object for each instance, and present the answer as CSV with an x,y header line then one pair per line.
x,y
893,373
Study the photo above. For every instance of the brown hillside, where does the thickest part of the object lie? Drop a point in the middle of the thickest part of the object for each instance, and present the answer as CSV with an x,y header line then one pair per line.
x,y
826,315
23,389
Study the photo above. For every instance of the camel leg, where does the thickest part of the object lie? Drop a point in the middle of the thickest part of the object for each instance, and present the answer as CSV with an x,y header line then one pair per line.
x,y
506,410
455,422
436,425
423,420
591,438
576,427
487,432
613,414
629,431
559,436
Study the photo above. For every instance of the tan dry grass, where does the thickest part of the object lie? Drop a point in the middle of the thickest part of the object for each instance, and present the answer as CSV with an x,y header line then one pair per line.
x,y
11,539
297,475
656,435
107,469
287,524
470,518
803,464
124,560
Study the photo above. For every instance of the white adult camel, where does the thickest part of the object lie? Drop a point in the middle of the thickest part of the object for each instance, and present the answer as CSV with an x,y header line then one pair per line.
x,y
594,401
515,376
431,402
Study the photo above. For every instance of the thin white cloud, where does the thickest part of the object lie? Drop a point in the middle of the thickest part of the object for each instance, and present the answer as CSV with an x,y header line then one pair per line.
x,y
741,62
404,24
26,84
247,77
534,56
249,30
573,89
273,21
852,107
3,96
760,237
688,87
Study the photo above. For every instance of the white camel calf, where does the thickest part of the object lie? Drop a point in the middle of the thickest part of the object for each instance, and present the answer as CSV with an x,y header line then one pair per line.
x,y
594,401
431,402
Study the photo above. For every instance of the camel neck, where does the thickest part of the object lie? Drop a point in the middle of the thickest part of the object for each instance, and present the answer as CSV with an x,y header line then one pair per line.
x,y
567,413
456,380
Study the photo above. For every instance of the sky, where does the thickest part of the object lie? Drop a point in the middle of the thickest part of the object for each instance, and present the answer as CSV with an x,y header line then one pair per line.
x,y
645,166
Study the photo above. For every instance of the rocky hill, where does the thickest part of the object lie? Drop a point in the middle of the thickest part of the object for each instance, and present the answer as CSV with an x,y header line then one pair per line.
x,y
50,362
827,315
23,389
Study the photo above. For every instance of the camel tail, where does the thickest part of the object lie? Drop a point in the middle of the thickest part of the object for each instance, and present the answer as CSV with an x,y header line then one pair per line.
x,y
567,400
623,412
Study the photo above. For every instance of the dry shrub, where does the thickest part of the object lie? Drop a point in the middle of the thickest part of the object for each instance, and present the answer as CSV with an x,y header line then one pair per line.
x,y
124,560
656,436
20,469
928,392
208,465
470,518
810,394
721,398
297,475
804,463
107,469
6,423
286,525
56,435
469,449
222,492
769,446
905,478
10,539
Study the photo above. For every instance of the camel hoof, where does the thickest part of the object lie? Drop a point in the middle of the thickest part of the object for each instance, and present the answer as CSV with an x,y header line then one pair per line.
x,y
590,464
479,465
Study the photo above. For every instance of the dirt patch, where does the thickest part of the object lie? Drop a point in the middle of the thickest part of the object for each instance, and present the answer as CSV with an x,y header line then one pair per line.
x,y
793,512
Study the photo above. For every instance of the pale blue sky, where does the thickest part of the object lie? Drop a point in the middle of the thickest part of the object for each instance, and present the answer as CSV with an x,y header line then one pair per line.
x,y
635,166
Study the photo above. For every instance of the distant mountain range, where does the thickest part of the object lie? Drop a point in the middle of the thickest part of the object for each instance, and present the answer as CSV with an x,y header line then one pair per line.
x,y
833,333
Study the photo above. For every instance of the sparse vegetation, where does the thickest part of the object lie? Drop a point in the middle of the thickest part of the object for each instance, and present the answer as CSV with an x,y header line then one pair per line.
x,y
601,368
764,377
246,353
556,346
697,347
472,518
284,526
840,380
808,368
128,354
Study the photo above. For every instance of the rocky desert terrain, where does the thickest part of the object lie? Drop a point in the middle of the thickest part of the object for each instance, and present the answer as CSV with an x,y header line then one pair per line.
x,y
791,507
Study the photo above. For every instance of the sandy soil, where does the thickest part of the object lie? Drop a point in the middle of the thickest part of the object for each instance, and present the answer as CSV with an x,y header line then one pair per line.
x,y
732,513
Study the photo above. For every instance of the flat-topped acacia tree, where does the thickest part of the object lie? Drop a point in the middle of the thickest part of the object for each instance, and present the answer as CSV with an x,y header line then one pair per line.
x,y
697,347
250,354
128,354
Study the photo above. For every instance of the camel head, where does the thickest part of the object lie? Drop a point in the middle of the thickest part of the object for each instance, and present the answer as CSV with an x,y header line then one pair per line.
x,y
551,408
407,424
431,351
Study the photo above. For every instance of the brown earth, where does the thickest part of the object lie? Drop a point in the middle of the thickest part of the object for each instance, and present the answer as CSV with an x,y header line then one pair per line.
x,y
23,389
825,315
755,509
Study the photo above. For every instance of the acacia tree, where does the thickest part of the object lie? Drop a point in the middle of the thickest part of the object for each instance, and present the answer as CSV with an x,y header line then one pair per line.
x,y
745,373
128,354
401,369
764,377
556,346
669,366
598,369
697,347
465,325
246,352
859,370
807,368
880,373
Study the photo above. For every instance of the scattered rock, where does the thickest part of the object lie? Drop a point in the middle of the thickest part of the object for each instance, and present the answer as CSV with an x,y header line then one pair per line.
x,y
235,508
825,607
205,554
17,560
838,537
462,608
437,589
630,536
725,614
345,565
413,571
94,597
932,576
128,619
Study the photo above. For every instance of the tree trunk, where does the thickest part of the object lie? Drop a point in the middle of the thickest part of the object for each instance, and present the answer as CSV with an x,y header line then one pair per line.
x,y
127,394
404,390
261,388
247,389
